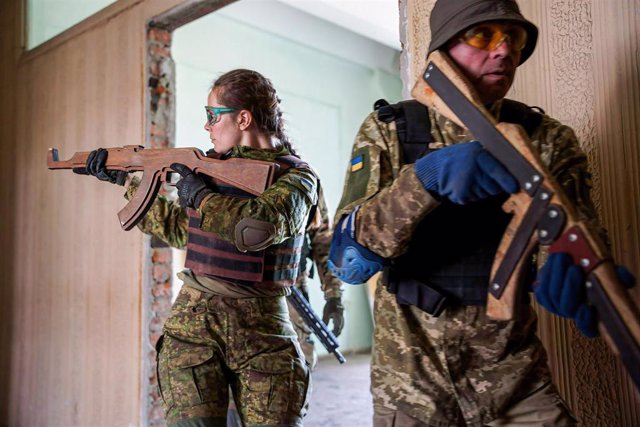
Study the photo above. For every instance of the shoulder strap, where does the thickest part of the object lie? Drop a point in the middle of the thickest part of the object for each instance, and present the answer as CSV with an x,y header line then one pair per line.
x,y
412,126
291,161
521,114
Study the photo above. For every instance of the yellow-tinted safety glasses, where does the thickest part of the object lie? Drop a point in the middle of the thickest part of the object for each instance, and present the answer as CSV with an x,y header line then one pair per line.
x,y
489,36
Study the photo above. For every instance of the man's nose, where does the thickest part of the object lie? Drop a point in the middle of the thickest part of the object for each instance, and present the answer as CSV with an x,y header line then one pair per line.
x,y
503,48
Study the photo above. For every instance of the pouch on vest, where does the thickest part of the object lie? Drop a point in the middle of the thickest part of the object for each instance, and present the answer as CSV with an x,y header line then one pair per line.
x,y
413,292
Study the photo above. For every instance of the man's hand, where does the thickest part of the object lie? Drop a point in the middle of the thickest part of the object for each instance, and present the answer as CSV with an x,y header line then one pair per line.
x,y
560,288
95,166
334,310
464,173
191,188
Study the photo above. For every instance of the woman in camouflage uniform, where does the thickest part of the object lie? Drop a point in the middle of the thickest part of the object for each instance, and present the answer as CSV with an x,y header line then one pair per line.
x,y
229,327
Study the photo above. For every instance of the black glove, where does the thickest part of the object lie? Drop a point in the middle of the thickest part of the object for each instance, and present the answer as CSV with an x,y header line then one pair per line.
x,y
191,188
95,166
334,310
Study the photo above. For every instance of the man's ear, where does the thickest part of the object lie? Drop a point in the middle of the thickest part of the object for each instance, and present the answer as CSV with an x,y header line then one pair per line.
x,y
244,118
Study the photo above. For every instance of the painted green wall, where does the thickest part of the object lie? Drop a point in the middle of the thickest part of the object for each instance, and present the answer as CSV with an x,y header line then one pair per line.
x,y
327,78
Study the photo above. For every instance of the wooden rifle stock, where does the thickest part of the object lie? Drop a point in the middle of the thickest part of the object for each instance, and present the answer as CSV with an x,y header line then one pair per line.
x,y
252,176
542,213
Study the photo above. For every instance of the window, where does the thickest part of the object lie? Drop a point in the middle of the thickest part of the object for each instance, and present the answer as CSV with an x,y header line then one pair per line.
x,y
48,18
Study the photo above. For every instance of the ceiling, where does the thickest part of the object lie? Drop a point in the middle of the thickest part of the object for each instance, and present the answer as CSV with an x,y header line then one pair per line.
x,y
374,19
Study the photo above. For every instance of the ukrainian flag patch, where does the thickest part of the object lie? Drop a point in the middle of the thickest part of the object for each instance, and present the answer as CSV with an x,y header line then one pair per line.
x,y
357,163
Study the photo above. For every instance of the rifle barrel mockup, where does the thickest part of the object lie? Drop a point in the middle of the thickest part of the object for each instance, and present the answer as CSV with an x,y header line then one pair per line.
x,y
311,319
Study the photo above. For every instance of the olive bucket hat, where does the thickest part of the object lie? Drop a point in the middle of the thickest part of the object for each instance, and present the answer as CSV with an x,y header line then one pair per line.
x,y
450,17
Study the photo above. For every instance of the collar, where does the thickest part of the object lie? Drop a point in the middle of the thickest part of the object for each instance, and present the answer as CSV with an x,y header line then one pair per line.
x,y
257,153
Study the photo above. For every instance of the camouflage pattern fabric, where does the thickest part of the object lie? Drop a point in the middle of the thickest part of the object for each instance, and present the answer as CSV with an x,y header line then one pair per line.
x,y
286,204
319,232
460,368
210,342
304,332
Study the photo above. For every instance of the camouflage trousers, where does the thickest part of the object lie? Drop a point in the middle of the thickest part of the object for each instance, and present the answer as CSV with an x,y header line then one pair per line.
x,y
212,344
460,368
302,330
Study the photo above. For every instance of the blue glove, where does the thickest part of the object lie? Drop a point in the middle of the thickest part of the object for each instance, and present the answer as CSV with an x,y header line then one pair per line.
x,y
349,260
560,288
464,173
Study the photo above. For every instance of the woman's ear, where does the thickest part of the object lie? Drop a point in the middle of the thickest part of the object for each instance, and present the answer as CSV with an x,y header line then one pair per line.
x,y
244,119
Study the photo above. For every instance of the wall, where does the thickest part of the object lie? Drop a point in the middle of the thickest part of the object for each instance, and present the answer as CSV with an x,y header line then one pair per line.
x,y
71,295
585,73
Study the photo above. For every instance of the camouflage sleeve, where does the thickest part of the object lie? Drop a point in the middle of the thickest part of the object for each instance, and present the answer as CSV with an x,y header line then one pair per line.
x,y
286,205
392,200
561,153
165,219
320,233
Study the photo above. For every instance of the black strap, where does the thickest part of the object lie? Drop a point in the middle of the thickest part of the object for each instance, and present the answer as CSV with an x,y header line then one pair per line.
x,y
519,113
412,126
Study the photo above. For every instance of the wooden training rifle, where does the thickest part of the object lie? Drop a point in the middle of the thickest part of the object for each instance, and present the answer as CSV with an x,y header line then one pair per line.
x,y
542,213
252,176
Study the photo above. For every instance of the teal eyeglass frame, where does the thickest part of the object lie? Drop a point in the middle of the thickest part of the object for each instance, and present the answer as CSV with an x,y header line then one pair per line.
x,y
214,113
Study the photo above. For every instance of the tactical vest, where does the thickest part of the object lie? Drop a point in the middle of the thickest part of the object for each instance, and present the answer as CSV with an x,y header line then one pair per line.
x,y
452,250
273,267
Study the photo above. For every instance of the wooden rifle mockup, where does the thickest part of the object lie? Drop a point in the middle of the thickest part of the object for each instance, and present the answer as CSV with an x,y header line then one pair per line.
x,y
542,214
252,176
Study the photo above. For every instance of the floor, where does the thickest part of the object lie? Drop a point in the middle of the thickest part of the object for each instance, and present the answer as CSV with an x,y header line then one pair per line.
x,y
340,395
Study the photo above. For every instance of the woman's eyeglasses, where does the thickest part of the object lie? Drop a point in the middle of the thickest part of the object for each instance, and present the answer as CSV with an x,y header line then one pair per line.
x,y
214,113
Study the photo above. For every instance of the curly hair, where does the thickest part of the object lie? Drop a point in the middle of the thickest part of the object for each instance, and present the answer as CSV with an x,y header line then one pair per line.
x,y
249,90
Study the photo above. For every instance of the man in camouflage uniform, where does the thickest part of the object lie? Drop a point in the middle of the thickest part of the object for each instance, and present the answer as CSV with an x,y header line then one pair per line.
x,y
314,254
457,367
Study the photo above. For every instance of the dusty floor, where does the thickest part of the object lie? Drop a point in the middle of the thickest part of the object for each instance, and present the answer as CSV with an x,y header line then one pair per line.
x,y
340,396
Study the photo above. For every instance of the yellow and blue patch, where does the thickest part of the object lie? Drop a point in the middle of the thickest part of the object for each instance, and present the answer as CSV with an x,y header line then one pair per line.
x,y
357,163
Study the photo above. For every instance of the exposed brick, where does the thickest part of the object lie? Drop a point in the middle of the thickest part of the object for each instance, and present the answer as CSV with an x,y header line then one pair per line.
x,y
161,272
161,256
161,289
158,35
161,305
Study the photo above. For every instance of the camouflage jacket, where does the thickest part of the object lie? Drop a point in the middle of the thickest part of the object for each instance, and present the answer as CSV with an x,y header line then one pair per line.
x,y
320,232
286,204
377,178
461,367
